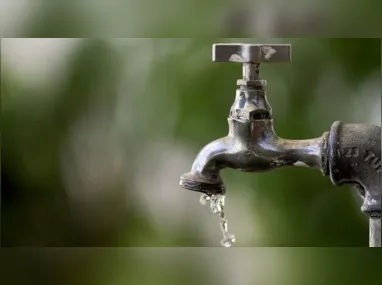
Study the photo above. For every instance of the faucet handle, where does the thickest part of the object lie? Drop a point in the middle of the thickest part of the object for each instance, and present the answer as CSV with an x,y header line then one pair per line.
x,y
251,53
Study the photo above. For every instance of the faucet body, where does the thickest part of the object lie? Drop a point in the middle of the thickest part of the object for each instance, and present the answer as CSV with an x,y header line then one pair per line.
x,y
347,153
250,146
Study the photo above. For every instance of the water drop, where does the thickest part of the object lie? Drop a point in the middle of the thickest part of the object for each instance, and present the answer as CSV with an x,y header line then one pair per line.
x,y
217,207
228,240
204,199
223,225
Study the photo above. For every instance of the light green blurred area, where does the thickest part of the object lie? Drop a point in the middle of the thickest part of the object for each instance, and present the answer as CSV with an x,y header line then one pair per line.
x,y
95,134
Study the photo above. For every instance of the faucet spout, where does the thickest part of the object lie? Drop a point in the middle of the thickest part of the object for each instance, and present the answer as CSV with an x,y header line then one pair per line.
x,y
205,171
250,146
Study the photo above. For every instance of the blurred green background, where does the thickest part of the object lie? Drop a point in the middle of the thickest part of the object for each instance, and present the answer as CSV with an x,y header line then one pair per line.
x,y
95,134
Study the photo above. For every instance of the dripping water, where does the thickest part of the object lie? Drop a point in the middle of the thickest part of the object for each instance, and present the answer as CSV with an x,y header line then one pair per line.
x,y
217,207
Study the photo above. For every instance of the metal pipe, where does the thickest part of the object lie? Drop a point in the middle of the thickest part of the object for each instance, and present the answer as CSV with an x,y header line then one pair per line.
x,y
375,232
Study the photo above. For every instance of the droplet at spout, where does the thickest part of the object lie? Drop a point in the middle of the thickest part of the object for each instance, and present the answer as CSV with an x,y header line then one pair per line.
x,y
217,203
217,207
204,199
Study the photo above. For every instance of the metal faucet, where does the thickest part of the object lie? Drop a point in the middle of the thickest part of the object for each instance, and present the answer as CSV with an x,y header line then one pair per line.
x,y
348,153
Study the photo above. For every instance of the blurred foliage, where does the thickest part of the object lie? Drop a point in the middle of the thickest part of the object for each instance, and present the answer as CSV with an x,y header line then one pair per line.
x,y
36,210
185,99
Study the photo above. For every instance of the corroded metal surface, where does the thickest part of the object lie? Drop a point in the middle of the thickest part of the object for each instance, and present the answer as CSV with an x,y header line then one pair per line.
x,y
348,153
251,144
354,158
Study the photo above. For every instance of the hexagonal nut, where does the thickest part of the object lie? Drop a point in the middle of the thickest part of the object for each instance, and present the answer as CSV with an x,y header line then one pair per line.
x,y
251,53
256,84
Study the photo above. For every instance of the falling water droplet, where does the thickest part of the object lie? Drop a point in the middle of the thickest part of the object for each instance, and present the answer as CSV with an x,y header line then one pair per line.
x,y
217,207
223,225
204,199
228,240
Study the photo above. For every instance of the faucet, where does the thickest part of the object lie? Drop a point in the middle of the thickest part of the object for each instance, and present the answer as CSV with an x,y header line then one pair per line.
x,y
347,153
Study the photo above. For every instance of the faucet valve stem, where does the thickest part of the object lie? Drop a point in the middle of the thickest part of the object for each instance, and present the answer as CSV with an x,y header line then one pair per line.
x,y
251,71
251,55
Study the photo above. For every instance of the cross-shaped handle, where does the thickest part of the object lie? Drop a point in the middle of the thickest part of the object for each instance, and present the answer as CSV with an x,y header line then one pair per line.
x,y
251,53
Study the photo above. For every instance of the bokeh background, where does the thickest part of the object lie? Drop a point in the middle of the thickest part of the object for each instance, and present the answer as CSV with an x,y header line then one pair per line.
x,y
96,133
